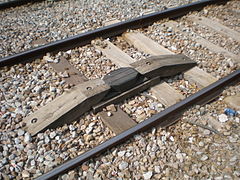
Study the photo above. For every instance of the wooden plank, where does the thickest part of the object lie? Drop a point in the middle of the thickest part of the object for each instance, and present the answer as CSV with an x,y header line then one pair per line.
x,y
233,101
162,91
118,122
110,22
193,74
144,44
123,60
202,78
84,96
154,68
216,26
113,53
205,43
163,65
67,107
163,98
74,76
127,94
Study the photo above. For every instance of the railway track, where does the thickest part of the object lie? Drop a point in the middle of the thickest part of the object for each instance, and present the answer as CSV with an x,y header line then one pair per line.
x,y
175,100
14,3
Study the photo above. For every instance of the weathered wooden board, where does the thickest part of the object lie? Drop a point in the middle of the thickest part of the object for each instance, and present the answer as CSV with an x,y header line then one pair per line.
x,y
233,101
163,65
110,22
144,44
205,43
193,74
168,88
127,94
84,96
75,77
118,122
116,55
67,107
202,78
162,91
216,26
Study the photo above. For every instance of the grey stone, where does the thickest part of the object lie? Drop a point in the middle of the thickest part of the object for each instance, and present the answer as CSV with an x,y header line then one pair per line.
x,y
204,158
89,129
20,132
38,89
27,138
232,139
4,161
46,139
123,165
12,156
52,89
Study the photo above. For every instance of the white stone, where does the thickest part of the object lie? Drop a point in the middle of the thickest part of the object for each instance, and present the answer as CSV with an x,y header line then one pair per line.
x,y
237,120
109,114
52,134
52,89
232,139
38,89
65,74
201,144
128,154
223,118
27,138
171,138
121,153
204,158
69,51
89,129
206,132
47,59
157,169
191,139
173,48
46,139
25,174
123,165
56,61
179,156
147,175
71,127
20,132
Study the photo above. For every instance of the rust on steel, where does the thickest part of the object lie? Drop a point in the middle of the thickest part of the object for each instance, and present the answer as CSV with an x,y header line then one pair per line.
x,y
163,119
105,32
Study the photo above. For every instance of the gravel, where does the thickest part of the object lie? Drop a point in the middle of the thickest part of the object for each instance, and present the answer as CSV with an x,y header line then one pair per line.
x,y
184,150
49,21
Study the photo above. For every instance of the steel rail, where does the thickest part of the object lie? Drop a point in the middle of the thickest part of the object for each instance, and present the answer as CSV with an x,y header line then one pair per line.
x,y
105,32
163,119
14,3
